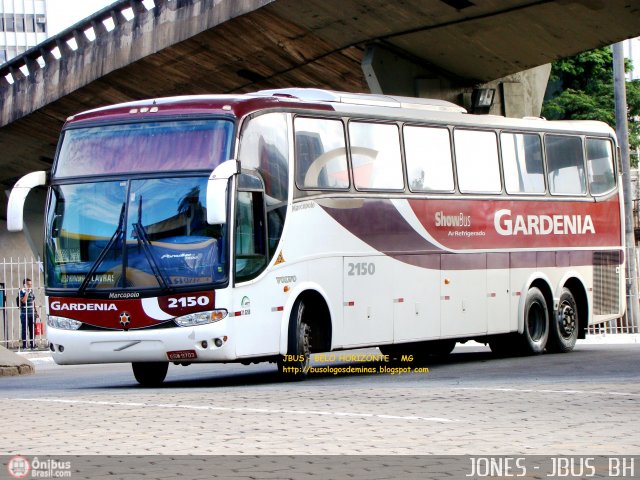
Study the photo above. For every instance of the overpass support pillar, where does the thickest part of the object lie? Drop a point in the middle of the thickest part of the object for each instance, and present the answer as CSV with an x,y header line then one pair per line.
x,y
395,73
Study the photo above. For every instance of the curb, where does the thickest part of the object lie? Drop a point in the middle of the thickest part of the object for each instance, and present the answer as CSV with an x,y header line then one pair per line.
x,y
17,370
12,364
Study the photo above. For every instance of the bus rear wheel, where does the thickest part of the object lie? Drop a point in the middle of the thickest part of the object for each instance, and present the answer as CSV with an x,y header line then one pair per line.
x,y
536,323
295,364
563,331
150,374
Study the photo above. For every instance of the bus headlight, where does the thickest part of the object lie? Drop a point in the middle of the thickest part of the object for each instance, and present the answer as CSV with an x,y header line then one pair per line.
x,y
63,323
200,318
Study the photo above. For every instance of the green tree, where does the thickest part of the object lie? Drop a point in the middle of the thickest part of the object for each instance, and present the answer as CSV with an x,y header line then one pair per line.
x,y
581,88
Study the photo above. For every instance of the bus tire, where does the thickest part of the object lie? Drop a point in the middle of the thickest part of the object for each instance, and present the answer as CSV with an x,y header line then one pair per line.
x,y
295,364
536,323
563,331
150,374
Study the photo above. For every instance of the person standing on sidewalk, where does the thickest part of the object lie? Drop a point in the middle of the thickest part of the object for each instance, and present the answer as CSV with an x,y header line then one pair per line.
x,y
28,314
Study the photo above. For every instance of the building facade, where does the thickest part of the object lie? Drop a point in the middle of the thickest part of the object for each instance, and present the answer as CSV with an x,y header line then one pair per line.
x,y
23,25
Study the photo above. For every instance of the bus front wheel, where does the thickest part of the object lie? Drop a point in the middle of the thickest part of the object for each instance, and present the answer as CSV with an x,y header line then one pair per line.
x,y
536,323
150,374
295,364
563,332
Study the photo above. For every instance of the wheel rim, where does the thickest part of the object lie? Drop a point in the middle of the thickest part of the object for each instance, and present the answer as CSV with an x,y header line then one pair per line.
x,y
306,343
535,321
566,319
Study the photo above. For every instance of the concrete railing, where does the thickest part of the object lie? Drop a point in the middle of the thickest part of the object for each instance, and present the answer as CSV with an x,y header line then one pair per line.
x,y
113,38
77,36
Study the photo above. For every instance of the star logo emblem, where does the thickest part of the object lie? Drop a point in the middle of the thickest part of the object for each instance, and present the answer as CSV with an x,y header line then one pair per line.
x,y
125,320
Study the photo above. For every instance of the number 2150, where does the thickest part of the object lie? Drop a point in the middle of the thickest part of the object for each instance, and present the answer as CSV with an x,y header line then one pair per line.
x,y
188,302
361,268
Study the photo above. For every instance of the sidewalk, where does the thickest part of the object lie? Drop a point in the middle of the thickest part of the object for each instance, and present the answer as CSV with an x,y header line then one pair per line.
x,y
611,338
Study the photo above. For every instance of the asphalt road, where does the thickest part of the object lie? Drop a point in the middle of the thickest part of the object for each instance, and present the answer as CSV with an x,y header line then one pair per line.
x,y
584,403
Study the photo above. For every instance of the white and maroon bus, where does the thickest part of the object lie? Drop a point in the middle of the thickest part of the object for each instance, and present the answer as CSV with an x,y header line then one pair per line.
x,y
267,226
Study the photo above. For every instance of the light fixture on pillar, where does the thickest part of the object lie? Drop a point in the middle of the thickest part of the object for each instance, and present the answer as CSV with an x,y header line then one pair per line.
x,y
482,99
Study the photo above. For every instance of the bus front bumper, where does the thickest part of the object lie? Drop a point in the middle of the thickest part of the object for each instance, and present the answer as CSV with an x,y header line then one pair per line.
x,y
204,343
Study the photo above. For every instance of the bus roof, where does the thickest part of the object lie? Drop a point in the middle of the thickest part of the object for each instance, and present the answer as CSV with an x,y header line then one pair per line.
x,y
314,99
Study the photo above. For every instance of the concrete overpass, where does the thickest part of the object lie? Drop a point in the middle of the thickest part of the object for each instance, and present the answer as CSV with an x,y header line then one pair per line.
x,y
440,48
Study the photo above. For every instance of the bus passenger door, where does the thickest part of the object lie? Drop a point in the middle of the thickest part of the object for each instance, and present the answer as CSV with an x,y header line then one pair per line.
x,y
258,329
367,302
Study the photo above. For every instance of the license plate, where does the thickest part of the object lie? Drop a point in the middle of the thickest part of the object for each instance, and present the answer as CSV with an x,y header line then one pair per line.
x,y
182,355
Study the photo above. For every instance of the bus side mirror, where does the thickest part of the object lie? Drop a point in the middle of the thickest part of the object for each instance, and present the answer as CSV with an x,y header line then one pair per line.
x,y
15,207
217,191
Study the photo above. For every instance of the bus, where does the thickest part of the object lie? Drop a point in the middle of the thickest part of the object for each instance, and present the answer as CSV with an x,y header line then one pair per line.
x,y
272,225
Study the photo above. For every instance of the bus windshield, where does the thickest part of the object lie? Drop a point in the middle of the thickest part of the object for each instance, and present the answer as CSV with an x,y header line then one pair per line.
x,y
133,234
144,147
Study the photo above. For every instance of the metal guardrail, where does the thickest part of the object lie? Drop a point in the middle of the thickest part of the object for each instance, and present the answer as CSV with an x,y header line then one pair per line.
x,y
13,271
614,326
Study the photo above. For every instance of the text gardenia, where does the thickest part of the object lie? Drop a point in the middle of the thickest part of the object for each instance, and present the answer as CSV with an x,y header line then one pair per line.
x,y
506,224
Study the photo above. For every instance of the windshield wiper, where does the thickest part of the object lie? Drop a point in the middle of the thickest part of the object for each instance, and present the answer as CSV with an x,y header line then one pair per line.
x,y
143,239
119,233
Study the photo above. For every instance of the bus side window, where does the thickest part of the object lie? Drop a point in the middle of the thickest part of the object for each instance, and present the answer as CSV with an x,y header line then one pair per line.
x,y
522,163
264,149
477,161
565,162
321,154
308,149
250,245
375,154
428,154
600,166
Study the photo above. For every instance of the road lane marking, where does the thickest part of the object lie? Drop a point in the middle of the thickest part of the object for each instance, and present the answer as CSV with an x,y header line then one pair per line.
x,y
267,411
546,390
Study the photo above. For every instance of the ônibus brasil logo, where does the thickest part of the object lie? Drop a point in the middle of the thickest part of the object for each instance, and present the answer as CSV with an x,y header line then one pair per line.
x,y
19,467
